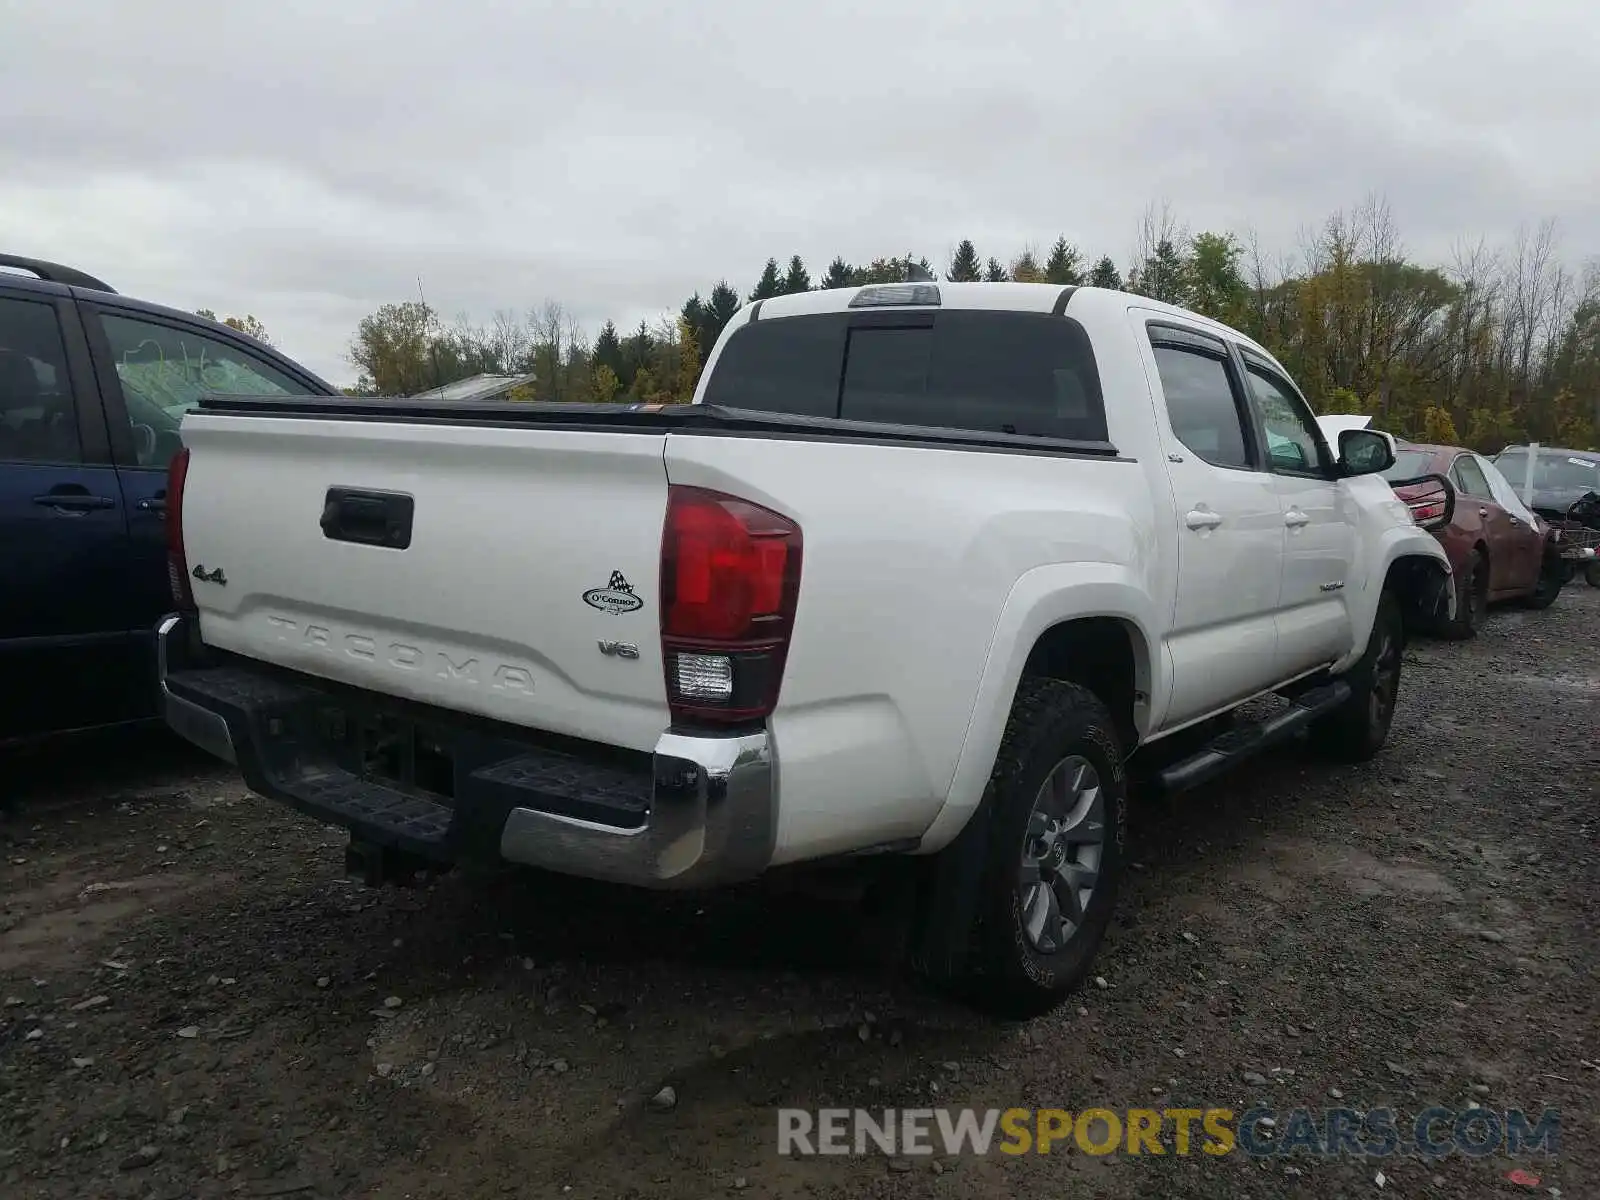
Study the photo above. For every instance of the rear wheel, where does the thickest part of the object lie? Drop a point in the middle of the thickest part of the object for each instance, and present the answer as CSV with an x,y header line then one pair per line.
x,y
1357,729
1472,600
1552,575
1057,811
1591,574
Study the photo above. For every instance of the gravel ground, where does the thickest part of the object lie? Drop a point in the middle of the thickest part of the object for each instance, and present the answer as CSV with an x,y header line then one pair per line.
x,y
197,1003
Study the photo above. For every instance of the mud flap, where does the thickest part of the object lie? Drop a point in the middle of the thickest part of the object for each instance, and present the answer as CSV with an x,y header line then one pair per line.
x,y
948,901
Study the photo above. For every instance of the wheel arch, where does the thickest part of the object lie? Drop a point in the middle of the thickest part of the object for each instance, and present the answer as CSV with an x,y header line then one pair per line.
x,y
1423,585
1085,623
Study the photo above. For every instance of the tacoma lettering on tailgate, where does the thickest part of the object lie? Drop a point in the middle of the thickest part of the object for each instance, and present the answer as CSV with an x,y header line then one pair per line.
x,y
457,668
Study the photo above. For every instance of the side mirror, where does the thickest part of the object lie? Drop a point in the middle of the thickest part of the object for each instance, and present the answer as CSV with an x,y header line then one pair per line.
x,y
1365,451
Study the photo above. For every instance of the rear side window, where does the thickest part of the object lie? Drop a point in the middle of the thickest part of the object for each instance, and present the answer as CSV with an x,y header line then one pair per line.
x,y
1030,374
38,420
1201,404
1469,479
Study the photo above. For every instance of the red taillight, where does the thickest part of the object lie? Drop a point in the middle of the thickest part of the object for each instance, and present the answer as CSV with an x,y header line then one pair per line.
x,y
1426,510
730,580
177,565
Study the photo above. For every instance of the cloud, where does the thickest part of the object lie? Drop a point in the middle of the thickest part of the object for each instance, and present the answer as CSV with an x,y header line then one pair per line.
x,y
307,162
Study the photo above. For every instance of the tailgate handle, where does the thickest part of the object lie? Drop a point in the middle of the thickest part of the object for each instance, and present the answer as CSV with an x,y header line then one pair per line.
x,y
368,518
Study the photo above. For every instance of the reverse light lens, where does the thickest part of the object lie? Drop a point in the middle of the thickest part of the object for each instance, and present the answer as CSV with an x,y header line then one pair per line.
x,y
704,677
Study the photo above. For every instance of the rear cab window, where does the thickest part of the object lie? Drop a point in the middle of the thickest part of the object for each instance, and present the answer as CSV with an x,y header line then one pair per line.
x,y
1015,373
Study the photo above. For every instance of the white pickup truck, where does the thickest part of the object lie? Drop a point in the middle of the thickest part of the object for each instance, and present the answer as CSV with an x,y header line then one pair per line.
x,y
917,573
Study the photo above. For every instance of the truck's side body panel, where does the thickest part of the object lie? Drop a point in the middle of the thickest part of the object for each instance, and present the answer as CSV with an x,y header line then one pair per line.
x,y
911,556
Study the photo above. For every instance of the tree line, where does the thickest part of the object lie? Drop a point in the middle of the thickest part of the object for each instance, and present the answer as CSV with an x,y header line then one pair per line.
x,y
1499,344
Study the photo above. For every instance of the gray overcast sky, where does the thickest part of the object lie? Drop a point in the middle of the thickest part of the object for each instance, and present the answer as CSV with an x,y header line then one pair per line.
x,y
307,161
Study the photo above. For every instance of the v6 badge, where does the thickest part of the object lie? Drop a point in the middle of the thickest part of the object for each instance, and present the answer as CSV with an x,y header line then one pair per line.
x,y
616,597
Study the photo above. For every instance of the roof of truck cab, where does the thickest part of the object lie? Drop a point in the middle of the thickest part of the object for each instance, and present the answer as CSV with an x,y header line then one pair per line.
x,y
1003,297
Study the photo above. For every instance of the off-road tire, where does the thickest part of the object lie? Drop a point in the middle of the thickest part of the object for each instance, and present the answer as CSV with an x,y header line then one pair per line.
x,y
1472,601
1358,728
1050,722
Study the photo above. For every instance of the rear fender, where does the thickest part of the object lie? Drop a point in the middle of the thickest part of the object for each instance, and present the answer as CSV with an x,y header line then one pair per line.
x,y
1041,599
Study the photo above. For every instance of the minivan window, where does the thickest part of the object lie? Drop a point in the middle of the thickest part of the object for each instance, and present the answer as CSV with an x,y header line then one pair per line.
x,y
38,421
164,370
988,372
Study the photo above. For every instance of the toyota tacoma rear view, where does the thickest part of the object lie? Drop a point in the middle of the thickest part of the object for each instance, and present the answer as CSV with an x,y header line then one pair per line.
x,y
925,570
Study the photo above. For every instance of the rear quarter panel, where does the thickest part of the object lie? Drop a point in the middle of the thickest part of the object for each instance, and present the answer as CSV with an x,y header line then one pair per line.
x,y
911,557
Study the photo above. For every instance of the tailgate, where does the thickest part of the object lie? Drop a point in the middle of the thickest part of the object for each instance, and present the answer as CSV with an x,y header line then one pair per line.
x,y
508,572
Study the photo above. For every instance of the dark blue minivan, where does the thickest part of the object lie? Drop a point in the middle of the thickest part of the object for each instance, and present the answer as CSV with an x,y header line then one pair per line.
x,y
92,388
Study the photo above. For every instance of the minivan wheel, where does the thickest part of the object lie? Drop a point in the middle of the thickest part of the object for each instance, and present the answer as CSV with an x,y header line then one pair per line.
x,y
1057,811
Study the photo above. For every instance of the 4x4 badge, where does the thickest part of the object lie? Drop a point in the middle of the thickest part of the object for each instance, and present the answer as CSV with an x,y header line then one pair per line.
x,y
616,597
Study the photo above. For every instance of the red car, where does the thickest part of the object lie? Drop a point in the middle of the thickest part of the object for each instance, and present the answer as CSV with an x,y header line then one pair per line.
x,y
1498,548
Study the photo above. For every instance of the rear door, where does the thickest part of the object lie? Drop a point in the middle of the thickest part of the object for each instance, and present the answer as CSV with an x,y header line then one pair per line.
x,y
1230,522
152,369
1319,525
65,660
1511,567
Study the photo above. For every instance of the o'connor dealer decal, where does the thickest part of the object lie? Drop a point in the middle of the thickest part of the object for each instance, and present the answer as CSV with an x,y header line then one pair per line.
x,y
616,597
1257,1132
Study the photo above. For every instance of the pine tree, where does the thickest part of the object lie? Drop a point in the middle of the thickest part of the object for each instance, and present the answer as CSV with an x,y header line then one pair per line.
x,y
688,363
1105,274
798,279
1064,265
965,266
994,272
840,274
1025,268
720,308
770,284
1163,275
608,350
637,352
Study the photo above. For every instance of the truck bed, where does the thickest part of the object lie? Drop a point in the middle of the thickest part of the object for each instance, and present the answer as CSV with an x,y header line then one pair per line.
x,y
527,590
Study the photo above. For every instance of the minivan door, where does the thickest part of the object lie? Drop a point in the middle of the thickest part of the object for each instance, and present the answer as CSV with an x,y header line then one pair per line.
x,y
64,655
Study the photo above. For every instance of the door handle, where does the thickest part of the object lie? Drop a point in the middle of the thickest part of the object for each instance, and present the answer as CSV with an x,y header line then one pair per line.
x,y
155,504
1294,518
1516,520
1202,518
1483,512
79,501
